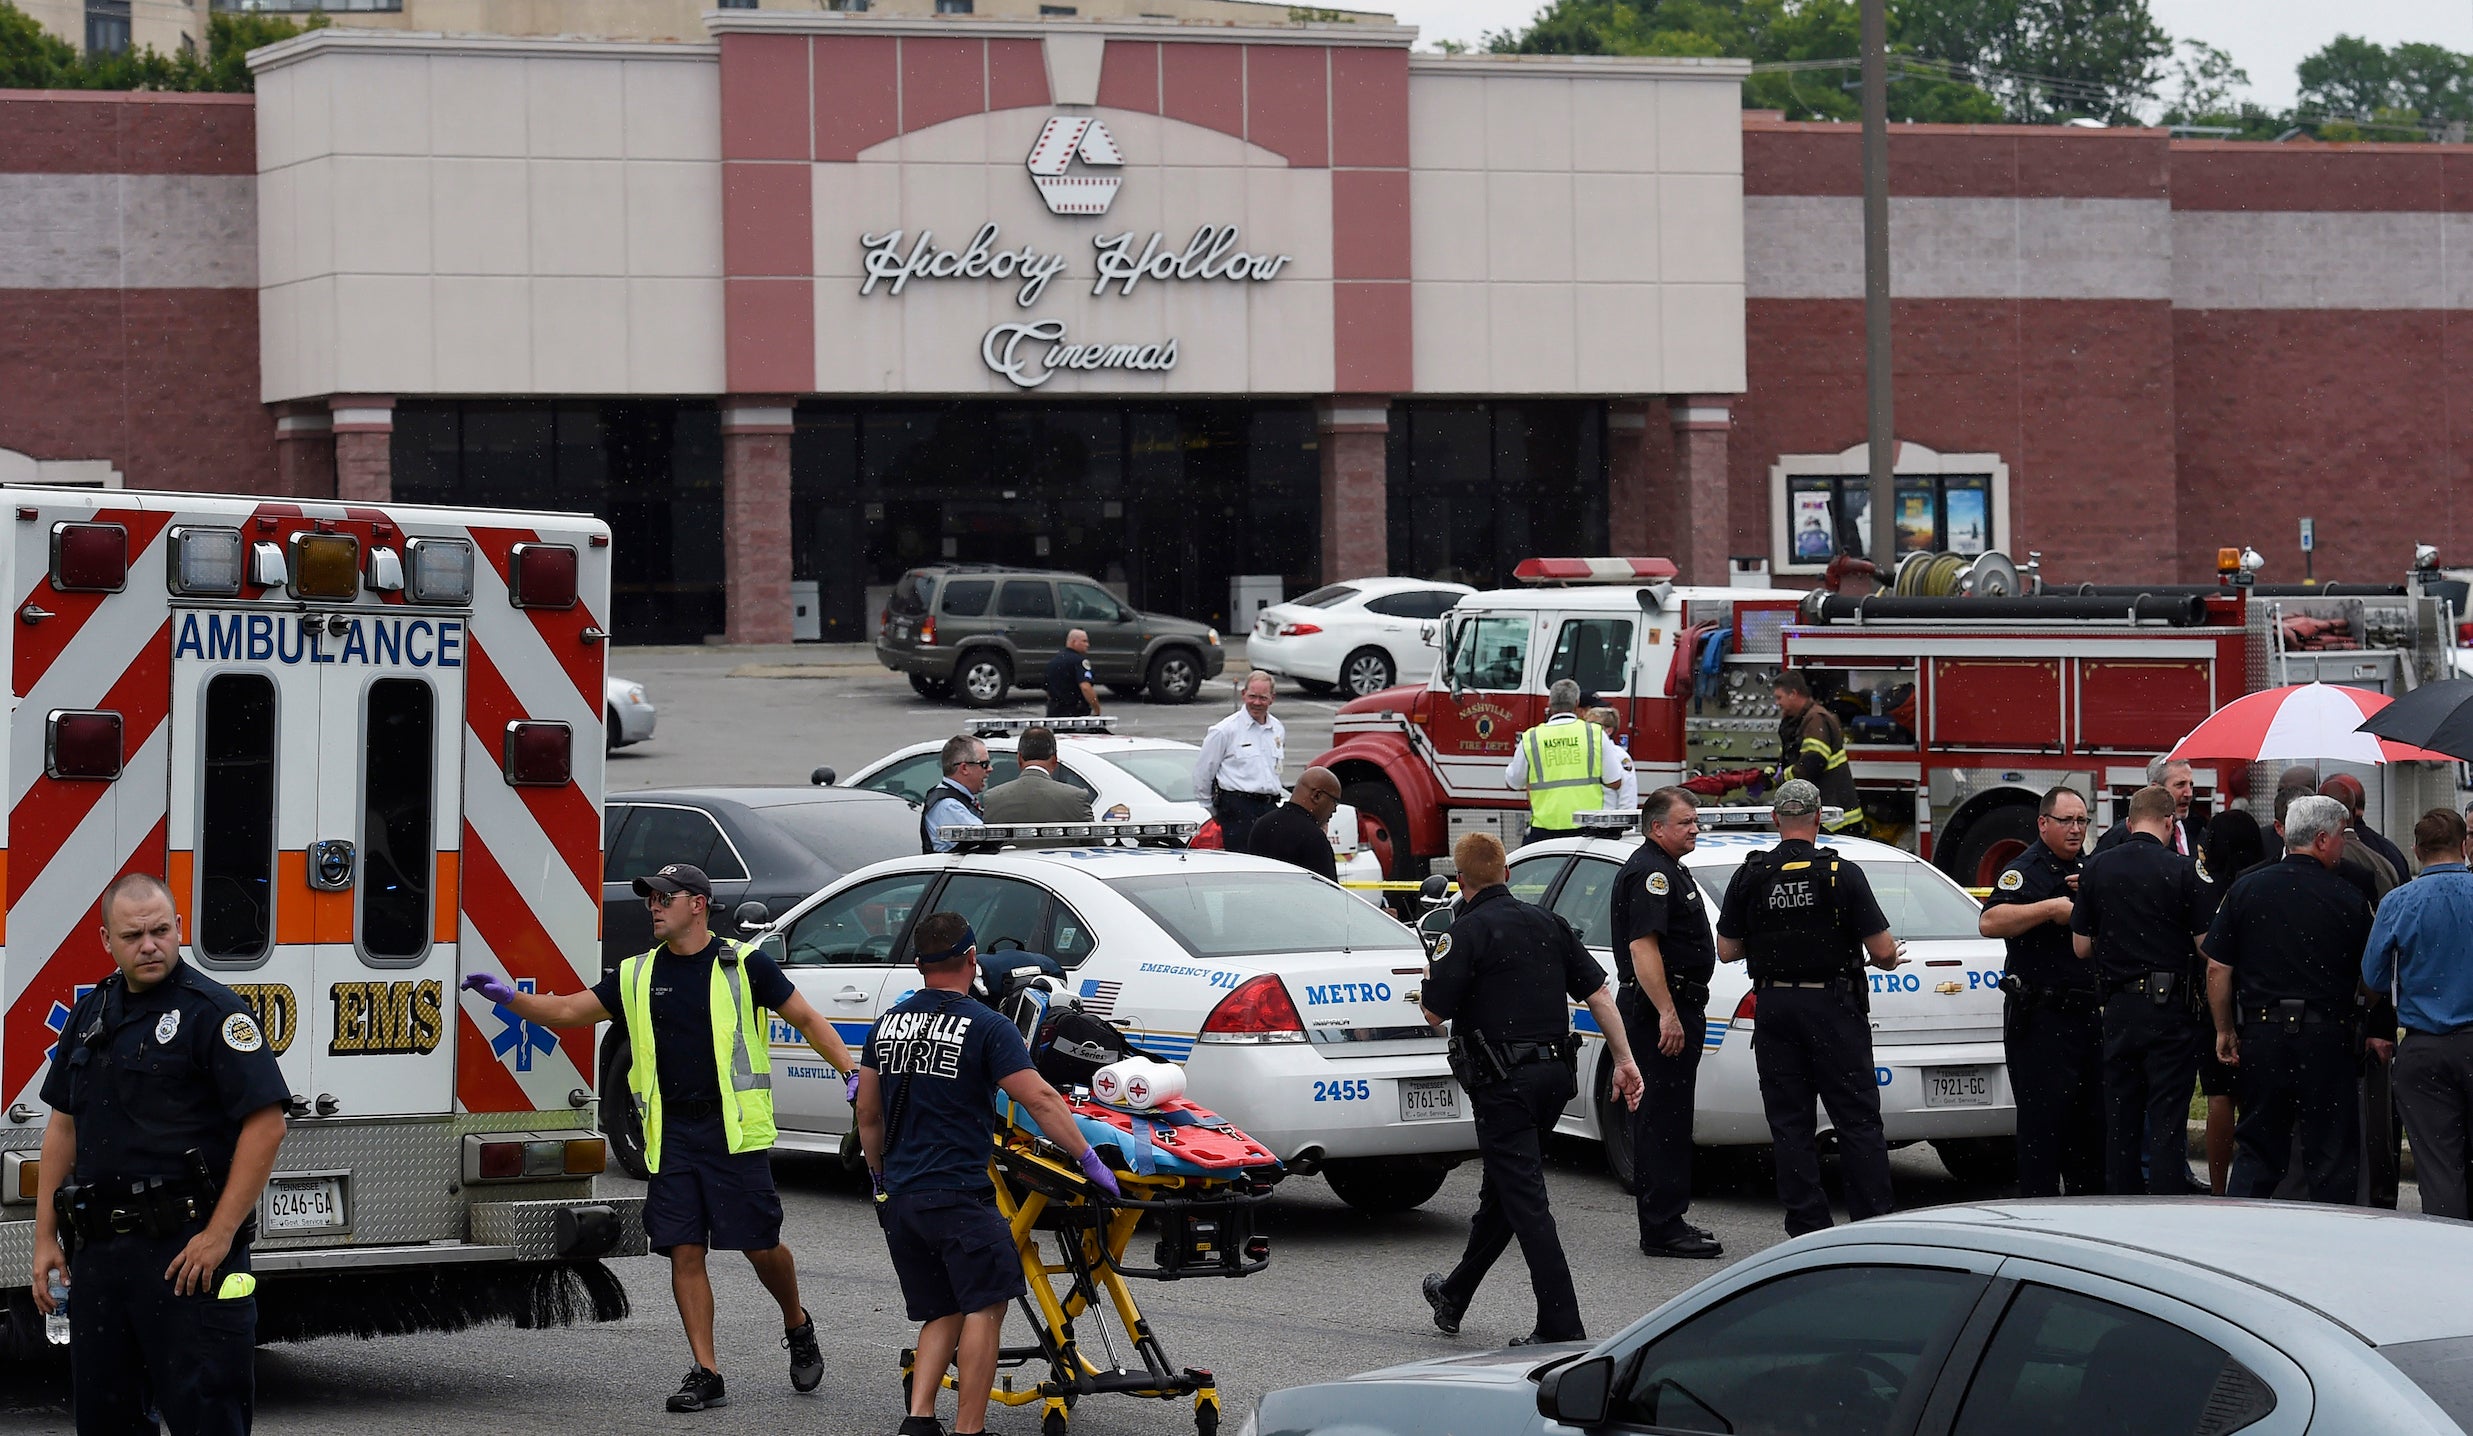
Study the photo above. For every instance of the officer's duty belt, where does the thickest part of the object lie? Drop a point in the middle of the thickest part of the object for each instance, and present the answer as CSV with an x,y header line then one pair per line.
x,y
2058,998
2293,1012
2149,984
155,1207
1766,982
1521,1054
1684,991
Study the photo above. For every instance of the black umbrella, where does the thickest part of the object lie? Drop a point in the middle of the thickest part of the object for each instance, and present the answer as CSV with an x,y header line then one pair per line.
x,y
2437,716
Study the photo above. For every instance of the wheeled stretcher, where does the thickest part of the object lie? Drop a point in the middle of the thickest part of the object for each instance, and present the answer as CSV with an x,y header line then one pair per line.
x,y
1196,1180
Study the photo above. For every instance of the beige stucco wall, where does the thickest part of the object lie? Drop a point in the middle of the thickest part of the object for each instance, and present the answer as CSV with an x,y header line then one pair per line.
x,y
491,217
1577,225
163,25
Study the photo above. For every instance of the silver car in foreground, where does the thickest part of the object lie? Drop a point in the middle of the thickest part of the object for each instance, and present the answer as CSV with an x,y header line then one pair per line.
x,y
2093,1317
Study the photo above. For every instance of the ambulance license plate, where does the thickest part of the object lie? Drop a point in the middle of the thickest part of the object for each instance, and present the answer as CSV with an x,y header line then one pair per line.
x,y
1957,1086
303,1204
1429,1099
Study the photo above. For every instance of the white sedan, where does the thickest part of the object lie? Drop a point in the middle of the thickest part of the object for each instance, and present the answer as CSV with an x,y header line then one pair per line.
x,y
628,712
1361,636
1292,1005
1936,1021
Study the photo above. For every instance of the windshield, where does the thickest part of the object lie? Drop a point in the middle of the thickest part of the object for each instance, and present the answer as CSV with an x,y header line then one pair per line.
x,y
846,835
1326,596
1223,914
1921,905
1169,772
2443,1369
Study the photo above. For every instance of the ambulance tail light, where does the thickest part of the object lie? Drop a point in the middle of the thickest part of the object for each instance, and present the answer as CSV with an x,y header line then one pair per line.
x,y
538,754
24,1179
438,570
1745,1009
542,575
90,558
1258,1011
82,745
586,1156
325,566
531,1156
206,562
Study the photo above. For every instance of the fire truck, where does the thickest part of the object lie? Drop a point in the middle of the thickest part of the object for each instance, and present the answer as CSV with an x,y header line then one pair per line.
x,y
1967,686
362,744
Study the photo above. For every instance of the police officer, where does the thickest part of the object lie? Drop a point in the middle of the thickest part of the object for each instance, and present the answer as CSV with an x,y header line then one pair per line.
x,y
1567,765
2053,1013
1500,977
1072,689
2140,909
699,1076
1664,957
954,801
2284,962
1811,745
167,1110
1805,920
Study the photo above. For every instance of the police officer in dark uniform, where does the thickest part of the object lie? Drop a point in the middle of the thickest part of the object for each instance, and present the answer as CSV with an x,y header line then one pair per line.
x,y
2141,907
2283,970
167,1110
2053,1018
1664,957
1503,972
1805,919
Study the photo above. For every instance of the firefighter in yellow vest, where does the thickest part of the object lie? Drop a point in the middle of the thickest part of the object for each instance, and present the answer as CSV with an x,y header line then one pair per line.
x,y
692,1012
1812,746
1567,765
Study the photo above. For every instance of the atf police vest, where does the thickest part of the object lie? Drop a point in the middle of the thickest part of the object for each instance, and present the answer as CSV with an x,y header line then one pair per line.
x,y
741,1054
1566,772
1793,933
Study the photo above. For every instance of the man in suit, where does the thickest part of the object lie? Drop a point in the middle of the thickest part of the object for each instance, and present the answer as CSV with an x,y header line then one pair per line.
x,y
2188,836
1037,796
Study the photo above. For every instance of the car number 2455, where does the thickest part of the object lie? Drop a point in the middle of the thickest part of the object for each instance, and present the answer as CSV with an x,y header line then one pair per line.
x,y
1346,1091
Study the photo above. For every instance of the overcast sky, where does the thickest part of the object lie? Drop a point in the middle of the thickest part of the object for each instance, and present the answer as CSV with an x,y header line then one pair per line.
x,y
2265,37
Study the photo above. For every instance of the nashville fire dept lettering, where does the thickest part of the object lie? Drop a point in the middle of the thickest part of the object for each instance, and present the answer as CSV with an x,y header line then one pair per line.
x,y
277,1012
382,1018
927,1044
372,642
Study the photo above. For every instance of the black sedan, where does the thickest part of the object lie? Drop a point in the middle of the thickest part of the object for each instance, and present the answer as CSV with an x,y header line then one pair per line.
x,y
764,848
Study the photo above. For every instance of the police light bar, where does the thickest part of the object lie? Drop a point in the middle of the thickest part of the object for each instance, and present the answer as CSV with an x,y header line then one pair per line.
x,y
1012,727
1624,820
1595,570
982,835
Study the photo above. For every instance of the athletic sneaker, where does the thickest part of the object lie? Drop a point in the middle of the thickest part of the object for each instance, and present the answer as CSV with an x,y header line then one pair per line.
x,y
806,1362
920,1426
701,1391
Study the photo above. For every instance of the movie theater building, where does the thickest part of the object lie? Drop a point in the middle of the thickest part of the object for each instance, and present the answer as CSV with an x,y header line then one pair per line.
x,y
1167,304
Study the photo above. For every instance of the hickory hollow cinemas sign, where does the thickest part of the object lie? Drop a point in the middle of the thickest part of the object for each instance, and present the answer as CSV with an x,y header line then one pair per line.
x,y
1072,165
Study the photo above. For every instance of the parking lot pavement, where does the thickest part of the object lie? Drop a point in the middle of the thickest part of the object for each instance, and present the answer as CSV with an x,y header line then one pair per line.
x,y
772,715
1340,1296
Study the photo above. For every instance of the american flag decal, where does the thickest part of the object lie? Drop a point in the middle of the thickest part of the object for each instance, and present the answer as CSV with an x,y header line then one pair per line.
x,y
1099,998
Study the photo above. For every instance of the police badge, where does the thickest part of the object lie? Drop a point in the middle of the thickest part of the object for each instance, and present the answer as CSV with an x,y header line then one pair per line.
x,y
168,1027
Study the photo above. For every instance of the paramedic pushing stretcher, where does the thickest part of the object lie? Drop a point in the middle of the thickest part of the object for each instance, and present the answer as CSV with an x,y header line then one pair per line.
x,y
927,1118
700,1077
167,1110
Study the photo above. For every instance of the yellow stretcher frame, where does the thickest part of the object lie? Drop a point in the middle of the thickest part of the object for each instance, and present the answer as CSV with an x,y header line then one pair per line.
x,y
1032,1181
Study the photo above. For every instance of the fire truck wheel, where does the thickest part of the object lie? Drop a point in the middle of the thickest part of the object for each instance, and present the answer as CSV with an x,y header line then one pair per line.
x,y
1613,1126
1380,1186
618,1121
1382,824
1368,670
1988,843
1979,1161
983,678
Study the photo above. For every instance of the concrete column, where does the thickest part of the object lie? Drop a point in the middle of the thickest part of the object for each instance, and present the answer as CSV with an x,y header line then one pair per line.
x,y
304,452
1635,447
1691,525
364,426
1356,488
755,517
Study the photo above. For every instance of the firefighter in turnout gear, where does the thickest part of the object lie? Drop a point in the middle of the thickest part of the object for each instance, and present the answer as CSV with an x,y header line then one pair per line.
x,y
701,1082
1806,922
1812,746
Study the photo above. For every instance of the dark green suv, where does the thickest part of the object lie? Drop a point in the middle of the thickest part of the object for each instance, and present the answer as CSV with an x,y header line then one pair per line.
x,y
972,631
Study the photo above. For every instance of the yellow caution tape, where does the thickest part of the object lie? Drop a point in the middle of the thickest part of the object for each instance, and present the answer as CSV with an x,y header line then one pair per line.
x,y
236,1286
1389,887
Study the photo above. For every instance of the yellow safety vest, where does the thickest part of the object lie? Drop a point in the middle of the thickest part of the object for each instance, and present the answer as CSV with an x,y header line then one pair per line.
x,y
741,1054
1566,772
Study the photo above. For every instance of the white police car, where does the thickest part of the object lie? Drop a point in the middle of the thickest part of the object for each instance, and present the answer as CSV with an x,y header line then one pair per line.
x,y
1291,1004
1936,1021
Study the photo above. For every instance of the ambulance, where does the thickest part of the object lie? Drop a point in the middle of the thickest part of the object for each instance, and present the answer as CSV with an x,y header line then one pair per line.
x,y
363,745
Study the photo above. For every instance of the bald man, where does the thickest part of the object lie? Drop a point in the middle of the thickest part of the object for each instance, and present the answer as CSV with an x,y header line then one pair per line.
x,y
1298,831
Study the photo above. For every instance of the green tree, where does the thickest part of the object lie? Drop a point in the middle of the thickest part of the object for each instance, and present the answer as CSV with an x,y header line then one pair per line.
x,y
2348,76
2206,86
33,59
231,37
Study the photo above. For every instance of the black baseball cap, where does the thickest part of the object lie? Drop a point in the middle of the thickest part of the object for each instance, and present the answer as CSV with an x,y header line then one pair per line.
x,y
676,878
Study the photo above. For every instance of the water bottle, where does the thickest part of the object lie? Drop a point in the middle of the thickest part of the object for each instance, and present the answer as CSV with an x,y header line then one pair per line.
x,y
56,1325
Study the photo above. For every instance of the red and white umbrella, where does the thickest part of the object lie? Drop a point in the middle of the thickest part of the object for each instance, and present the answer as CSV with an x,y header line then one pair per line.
x,y
2308,721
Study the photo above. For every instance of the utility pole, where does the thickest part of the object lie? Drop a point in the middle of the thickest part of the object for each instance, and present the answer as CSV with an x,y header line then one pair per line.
x,y
1879,408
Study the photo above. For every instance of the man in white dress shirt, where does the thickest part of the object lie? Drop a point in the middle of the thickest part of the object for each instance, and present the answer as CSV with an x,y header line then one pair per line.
x,y
1238,773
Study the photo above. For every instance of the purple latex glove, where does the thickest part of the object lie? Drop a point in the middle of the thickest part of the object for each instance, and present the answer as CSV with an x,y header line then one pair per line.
x,y
850,1087
875,1180
1096,1168
491,986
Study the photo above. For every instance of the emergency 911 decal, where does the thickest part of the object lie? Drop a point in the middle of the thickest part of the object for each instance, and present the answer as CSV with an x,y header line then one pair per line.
x,y
367,642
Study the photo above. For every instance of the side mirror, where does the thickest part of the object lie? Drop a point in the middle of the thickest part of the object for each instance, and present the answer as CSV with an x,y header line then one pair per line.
x,y
776,946
751,916
1437,922
822,777
1578,1394
1435,889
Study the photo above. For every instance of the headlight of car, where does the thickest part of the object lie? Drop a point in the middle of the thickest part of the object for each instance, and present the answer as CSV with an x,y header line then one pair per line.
x,y
635,693
1213,636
